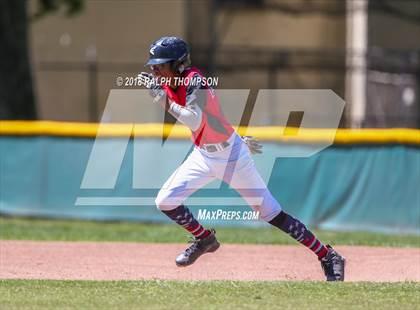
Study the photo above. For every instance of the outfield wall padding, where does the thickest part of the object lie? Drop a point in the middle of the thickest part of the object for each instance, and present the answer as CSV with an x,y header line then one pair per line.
x,y
344,187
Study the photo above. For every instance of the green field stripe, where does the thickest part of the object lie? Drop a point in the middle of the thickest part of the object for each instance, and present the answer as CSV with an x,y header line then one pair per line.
x,y
68,230
48,294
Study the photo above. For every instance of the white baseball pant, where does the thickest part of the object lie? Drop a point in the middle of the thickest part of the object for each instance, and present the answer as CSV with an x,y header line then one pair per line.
x,y
234,165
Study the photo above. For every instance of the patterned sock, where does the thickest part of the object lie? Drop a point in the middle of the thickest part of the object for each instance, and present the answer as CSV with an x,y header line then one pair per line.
x,y
183,216
298,231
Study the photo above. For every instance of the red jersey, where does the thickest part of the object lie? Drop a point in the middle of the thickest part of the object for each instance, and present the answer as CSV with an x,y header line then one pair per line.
x,y
214,127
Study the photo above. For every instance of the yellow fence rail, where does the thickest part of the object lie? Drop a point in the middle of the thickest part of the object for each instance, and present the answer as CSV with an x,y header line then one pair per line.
x,y
154,130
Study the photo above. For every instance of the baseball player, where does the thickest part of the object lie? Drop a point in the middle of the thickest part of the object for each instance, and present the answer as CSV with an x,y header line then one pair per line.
x,y
219,153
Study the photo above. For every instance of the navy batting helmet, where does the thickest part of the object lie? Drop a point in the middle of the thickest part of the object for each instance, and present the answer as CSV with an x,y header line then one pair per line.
x,y
167,49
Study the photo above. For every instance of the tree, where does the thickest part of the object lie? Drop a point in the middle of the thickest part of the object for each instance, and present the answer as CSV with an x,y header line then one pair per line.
x,y
17,100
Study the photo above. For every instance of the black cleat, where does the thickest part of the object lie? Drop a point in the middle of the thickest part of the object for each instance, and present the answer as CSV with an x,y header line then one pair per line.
x,y
198,247
333,265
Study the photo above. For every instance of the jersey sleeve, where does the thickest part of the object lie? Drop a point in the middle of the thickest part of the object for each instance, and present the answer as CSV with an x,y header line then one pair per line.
x,y
196,92
192,113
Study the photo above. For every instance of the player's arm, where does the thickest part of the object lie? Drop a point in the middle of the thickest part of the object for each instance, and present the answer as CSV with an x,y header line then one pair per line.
x,y
190,116
192,113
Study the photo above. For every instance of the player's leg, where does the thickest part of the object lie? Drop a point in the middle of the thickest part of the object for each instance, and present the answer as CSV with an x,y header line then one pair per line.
x,y
332,263
248,182
193,174
242,175
238,170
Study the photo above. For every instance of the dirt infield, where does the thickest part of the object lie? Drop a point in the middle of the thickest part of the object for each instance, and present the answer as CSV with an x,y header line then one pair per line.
x,y
134,261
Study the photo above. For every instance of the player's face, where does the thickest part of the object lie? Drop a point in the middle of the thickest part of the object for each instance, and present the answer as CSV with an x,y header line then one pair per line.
x,y
162,70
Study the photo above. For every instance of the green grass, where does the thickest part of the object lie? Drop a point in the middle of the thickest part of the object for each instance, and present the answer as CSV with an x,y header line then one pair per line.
x,y
47,294
69,230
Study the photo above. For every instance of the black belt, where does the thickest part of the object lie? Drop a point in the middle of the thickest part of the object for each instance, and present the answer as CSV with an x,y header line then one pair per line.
x,y
211,148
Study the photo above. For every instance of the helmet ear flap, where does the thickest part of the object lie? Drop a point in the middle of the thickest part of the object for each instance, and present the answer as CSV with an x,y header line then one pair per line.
x,y
179,65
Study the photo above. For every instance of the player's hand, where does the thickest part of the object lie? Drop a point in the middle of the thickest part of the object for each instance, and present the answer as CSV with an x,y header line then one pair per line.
x,y
253,144
150,81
